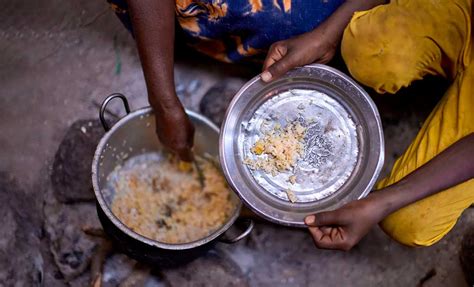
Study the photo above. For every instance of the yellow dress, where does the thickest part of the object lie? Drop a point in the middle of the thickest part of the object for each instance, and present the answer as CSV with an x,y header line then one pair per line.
x,y
392,45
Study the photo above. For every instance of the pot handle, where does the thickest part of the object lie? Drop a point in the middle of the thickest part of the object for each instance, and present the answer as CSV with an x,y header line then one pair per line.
x,y
104,106
245,233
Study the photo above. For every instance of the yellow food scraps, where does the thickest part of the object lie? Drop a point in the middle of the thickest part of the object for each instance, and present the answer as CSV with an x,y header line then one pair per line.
x,y
258,148
185,166
278,149
291,196
292,179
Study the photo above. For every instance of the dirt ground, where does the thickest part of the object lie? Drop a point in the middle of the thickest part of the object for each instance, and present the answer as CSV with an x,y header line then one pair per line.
x,y
58,61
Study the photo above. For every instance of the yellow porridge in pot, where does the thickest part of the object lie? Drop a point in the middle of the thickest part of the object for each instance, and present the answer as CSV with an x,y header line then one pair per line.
x,y
164,201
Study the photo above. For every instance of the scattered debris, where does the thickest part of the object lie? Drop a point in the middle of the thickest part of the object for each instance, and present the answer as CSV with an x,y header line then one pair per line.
x,y
292,179
291,196
118,59
430,274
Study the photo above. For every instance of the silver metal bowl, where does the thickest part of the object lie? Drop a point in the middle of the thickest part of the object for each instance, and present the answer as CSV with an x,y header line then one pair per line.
x,y
135,135
342,160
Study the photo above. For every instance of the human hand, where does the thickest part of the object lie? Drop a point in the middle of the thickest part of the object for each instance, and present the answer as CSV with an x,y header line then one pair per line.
x,y
343,228
176,132
316,46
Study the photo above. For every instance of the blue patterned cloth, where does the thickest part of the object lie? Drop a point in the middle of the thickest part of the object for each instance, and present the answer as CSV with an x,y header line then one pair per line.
x,y
233,30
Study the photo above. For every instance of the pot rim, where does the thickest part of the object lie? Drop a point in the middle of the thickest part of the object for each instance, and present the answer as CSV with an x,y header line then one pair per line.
x,y
108,212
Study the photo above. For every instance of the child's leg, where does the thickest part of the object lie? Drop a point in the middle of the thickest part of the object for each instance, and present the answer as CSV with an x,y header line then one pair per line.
x,y
428,220
387,48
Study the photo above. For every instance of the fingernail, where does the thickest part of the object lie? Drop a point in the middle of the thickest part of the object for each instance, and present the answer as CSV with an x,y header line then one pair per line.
x,y
310,219
266,76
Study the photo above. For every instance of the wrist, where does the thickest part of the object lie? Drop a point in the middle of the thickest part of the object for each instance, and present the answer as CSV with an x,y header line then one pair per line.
x,y
391,198
382,202
165,104
323,36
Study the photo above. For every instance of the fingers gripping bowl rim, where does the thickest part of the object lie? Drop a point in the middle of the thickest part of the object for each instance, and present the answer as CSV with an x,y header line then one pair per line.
x,y
322,82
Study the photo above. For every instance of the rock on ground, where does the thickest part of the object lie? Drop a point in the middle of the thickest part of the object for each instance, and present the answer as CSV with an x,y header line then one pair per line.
x,y
71,175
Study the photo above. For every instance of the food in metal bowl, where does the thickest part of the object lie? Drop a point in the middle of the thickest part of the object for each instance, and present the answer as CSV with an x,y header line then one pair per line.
x,y
279,148
161,199
343,143
295,142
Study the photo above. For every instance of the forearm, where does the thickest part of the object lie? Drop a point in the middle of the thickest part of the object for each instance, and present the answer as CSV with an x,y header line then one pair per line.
x,y
153,26
451,167
334,26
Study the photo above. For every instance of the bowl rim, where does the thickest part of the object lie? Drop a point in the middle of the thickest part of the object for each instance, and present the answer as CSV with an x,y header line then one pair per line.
x,y
226,126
